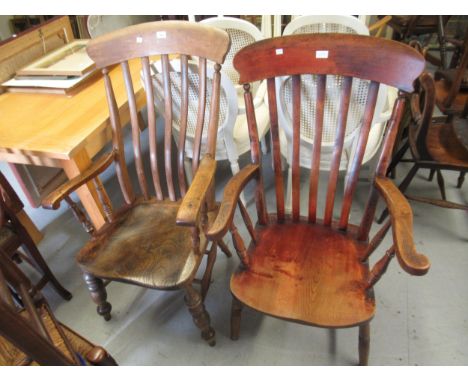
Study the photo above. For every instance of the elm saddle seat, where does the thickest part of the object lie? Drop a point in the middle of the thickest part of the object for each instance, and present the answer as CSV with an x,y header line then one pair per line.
x,y
145,247
319,266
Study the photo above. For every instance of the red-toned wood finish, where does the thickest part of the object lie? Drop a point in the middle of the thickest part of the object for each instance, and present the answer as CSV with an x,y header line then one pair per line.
x,y
306,267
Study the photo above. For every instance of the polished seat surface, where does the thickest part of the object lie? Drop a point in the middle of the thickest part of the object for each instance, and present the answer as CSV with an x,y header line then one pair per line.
x,y
306,273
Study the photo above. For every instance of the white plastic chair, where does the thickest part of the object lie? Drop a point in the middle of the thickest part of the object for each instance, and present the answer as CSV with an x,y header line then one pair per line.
x,y
328,24
242,33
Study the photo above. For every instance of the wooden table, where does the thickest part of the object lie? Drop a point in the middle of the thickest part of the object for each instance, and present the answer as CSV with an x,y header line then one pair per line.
x,y
65,131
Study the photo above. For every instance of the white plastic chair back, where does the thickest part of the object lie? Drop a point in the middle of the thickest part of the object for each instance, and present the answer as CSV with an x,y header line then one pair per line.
x,y
326,24
99,25
227,105
242,33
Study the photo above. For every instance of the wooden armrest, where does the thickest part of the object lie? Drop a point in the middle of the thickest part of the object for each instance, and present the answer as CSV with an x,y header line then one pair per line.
x,y
98,356
402,228
230,197
52,201
192,202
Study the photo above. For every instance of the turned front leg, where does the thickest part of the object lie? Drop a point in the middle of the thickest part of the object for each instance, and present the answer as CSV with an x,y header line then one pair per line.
x,y
99,295
201,318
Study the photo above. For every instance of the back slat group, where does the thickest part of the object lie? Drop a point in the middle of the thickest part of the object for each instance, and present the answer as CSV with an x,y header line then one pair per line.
x,y
343,55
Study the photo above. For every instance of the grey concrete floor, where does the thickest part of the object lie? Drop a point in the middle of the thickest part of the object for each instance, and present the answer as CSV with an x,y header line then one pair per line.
x,y
419,320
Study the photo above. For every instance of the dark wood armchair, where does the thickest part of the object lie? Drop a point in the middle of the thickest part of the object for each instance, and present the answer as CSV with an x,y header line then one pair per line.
x,y
301,267
17,244
29,331
140,242
433,143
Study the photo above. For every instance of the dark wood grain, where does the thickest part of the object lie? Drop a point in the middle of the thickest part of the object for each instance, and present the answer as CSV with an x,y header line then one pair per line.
x,y
162,37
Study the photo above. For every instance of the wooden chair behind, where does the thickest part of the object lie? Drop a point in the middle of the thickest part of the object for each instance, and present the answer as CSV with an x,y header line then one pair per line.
x,y
29,332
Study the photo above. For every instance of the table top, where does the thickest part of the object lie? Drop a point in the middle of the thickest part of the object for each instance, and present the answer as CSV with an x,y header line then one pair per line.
x,y
58,126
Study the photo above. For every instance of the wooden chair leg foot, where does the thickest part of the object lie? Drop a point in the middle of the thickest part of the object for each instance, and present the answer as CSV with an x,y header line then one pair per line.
x,y
364,341
99,295
236,312
200,316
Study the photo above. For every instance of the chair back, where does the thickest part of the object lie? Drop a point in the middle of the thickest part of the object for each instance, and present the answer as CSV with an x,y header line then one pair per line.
x,y
326,24
369,59
161,39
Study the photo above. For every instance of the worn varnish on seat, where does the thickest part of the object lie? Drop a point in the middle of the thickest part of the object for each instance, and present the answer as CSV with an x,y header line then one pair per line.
x,y
305,267
141,243
143,246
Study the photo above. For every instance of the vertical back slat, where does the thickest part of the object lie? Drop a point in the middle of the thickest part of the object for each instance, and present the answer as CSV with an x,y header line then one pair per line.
x,y
151,127
183,122
168,126
255,154
214,112
317,145
135,129
338,149
353,171
296,125
117,142
200,114
381,169
275,146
